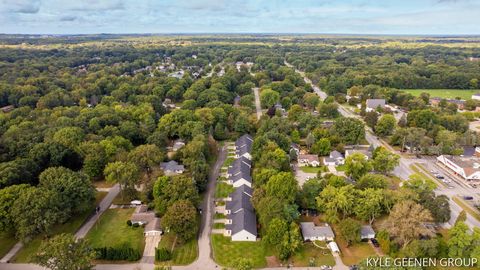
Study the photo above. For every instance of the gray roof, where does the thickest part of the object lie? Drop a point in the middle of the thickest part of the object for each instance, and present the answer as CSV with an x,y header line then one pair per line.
x,y
240,165
468,151
366,230
243,220
328,159
244,144
310,230
374,103
241,175
335,154
240,199
172,166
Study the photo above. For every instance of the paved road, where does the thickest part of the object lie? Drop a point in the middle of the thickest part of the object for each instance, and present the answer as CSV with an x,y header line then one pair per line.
x,y
258,106
11,253
104,205
316,89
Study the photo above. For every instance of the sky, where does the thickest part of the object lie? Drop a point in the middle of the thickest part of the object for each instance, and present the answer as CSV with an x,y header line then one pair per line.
x,y
397,17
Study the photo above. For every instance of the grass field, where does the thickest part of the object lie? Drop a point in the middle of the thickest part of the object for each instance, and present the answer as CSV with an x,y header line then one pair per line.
x,y
475,214
226,252
25,254
444,93
7,241
183,254
309,253
355,253
223,189
112,230
308,169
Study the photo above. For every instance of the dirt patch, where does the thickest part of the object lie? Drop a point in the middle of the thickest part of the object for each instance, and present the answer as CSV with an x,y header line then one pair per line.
x,y
272,261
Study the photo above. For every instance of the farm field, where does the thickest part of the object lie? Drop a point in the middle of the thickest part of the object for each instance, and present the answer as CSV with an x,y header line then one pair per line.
x,y
444,93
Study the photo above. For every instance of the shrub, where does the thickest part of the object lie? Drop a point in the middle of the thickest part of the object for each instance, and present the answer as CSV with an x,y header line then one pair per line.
x,y
123,252
129,222
162,254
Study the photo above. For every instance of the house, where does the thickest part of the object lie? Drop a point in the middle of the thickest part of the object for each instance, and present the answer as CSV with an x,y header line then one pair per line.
x,y
153,228
311,232
308,160
177,145
366,152
476,96
466,167
243,146
172,168
7,109
239,165
334,159
178,75
240,179
367,232
373,104
141,216
241,222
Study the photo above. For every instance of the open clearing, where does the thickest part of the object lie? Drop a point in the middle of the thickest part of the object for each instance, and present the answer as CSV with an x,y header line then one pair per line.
x,y
444,93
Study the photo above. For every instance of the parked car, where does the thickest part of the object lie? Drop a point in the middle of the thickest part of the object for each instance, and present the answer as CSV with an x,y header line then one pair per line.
x,y
374,242
438,176
354,267
467,198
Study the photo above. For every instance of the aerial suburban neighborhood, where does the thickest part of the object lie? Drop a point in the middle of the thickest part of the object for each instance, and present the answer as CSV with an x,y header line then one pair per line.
x,y
123,148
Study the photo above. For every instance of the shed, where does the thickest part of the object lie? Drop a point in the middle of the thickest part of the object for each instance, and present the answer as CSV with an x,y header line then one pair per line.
x,y
333,247
367,232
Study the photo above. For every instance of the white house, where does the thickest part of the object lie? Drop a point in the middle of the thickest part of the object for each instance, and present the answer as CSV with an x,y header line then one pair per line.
x,y
373,104
334,159
308,160
172,168
466,167
311,232
476,96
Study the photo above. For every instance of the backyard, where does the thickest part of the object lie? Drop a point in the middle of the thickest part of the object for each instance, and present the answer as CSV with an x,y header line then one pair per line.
x,y
308,169
25,254
444,93
111,230
222,190
183,254
355,253
226,252
310,255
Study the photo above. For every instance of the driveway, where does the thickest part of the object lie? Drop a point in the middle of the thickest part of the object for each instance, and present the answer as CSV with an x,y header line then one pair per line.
x,y
302,176
151,242
257,102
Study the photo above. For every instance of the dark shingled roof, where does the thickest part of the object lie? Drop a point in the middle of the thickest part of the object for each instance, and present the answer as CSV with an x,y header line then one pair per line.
x,y
243,220
240,199
244,144
240,165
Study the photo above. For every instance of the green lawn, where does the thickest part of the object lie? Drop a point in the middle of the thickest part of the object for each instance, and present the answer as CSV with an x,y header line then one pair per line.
x,y
7,241
355,253
223,189
308,169
310,255
226,252
25,254
112,230
444,93
340,168
228,161
219,216
219,225
183,254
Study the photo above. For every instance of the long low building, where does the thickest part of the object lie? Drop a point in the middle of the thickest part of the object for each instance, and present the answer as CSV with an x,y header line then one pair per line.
x,y
466,167
241,222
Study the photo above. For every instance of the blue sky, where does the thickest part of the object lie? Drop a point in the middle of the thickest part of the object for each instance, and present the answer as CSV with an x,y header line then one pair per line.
x,y
240,16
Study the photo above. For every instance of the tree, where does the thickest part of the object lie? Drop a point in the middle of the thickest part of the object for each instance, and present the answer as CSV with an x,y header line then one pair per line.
x,y
181,218
311,100
376,181
310,190
405,222
64,252
369,204
146,157
35,211
268,97
322,147
384,161
124,173
371,118
357,165
282,185
332,201
462,217
310,140
350,230
438,206
8,196
386,125
349,130
168,190
74,190
459,241
70,137
291,241
276,229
